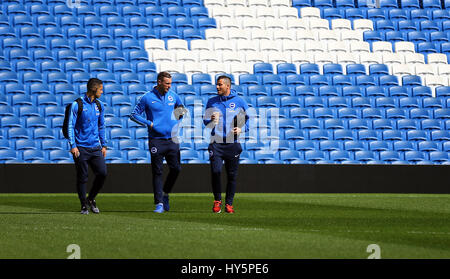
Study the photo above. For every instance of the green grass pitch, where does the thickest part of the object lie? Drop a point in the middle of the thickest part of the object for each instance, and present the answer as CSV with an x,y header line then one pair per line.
x,y
265,226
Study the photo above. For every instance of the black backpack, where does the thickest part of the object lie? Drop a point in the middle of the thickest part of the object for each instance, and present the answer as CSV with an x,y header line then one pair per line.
x,y
65,127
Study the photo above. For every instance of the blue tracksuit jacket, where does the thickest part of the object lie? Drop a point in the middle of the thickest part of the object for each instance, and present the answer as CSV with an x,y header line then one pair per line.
x,y
229,107
89,130
159,111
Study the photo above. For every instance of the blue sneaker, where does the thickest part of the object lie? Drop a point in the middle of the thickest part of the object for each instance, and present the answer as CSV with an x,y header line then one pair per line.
x,y
166,202
159,208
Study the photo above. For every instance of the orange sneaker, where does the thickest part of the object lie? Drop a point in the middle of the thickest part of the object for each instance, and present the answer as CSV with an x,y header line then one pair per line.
x,y
229,208
217,208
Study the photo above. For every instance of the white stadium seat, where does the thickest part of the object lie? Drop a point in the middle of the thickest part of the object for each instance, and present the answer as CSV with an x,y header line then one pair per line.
x,y
402,70
382,46
404,47
341,24
258,3
414,58
310,12
214,3
177,44
437,58
200,45
370,58
297,24
184,56
301,57
425,70
287,12
269,45
363,24
213,33
153,44
244,13
280,3
275,24
337,47
235,3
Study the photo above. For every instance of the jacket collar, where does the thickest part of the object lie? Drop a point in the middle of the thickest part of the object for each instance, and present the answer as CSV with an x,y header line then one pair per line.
x,y
231,96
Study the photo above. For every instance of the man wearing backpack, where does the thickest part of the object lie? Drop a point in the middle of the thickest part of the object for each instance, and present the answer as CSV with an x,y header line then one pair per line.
x,y
86,132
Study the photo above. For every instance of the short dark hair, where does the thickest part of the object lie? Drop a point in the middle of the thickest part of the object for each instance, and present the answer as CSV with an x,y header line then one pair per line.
x,y
93,84
227,78
163,75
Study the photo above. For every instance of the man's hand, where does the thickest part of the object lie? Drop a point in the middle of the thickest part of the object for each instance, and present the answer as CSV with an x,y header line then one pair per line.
x,y
179,112
104,151
75,152
215,118
237,130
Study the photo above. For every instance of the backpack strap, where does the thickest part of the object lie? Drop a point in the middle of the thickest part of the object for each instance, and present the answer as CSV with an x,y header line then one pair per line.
x,y
99,106
80,107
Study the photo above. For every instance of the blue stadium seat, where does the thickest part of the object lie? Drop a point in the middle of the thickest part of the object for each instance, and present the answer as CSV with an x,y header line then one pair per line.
x,y
25,144
188,155
42,133
257,90
414,157
118,133
51,144
389,156
353,146
202,78
446,146
430,125
323,113
440,136
138,156
289,102
299,113
358,124
442,114
35,122
6,155
31,155
314,156
426,147
438,157
419,15
342,136
271,80
366,136
364,156
57,156
128,144
289,155
338,156
415,136
263,68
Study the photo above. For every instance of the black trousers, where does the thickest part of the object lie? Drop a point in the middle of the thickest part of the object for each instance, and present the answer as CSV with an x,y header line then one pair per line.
x,y
218,154
92,157
160,149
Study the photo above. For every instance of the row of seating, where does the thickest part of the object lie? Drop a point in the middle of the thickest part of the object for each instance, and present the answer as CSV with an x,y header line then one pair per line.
x,y
354,155
385,4
257,96
310,128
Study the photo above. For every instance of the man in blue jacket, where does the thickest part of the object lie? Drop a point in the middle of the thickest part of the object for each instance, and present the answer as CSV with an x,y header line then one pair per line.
x,y
87,139
226,115
163,108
